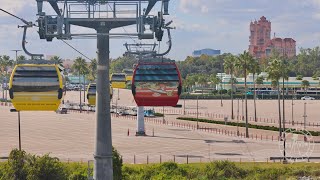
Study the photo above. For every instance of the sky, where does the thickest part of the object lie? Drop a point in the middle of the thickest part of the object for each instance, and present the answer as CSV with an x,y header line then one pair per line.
x,y
216,24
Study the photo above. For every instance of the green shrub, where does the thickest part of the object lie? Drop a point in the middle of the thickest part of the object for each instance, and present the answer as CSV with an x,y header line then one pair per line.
x,y
45,167
299,77
158,114
15,167
117,164
23,166
224,169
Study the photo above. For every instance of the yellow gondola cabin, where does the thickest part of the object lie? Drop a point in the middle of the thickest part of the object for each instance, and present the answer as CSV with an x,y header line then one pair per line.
x,y
36,87
118,80
91,93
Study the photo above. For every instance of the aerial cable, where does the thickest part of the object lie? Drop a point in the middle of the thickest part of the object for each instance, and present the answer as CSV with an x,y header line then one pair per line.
x,y
30,23
76,49
21,19
24,21
123,27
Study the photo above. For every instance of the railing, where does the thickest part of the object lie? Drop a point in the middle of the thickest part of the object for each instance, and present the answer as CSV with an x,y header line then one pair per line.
x,y
107,10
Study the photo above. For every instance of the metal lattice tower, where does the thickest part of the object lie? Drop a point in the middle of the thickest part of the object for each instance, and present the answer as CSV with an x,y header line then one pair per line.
x,y
102,16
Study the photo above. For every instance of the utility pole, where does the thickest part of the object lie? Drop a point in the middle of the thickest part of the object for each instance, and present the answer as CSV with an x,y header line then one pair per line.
x,y
238,119
184,106
242,109
221,103
197,112
16,50
163,121
305,116
284,123
292,121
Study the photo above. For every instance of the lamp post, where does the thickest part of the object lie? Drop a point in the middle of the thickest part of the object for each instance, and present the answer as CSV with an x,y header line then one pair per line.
x,y
19,129
163,121
238,118
305,116
16,50
197,112
292,121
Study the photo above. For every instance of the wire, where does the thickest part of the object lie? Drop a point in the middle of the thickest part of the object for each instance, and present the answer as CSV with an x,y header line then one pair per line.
x,y
123,27
12,15
21,19
76,49
60,39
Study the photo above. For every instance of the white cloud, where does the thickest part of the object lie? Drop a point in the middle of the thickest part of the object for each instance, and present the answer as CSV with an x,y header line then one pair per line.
x,y
15,6
187,5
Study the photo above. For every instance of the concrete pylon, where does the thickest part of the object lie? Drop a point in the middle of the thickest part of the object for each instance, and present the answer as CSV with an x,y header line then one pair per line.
x,y
140,122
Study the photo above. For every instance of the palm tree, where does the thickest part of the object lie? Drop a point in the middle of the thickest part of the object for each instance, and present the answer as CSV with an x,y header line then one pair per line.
x,y
259,81
215,80
5,63
21,58
242,64
80,66
93,70
56,60
229,65
305,84
254,69
275,72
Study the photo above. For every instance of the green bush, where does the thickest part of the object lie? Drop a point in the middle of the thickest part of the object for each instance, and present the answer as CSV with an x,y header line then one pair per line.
x,y
23,166
45,167
15,167
158,114
77,171
117,164
224,169
299,77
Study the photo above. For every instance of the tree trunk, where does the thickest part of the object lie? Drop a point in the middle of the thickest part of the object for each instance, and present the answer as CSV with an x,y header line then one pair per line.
x,y
283,107
84,89
246,102
279,108
80,92
254,99
232,115
6,82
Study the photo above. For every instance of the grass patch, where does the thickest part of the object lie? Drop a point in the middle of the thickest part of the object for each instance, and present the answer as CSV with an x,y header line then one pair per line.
x,y
253,126
199,171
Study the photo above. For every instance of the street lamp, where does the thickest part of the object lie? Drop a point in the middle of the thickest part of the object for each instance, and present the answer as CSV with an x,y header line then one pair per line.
x,y
197,112
19,129
16,50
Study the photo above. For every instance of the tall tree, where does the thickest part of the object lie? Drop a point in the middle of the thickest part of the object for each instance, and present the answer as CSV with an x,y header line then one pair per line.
x,y
305,84
254,68
229,66
5,64
56,60
214,80
80,66
21,58
274,71
242,64
93,70
259,81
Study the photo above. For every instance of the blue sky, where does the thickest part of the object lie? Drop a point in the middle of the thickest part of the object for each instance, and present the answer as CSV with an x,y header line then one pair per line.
x,y
217,24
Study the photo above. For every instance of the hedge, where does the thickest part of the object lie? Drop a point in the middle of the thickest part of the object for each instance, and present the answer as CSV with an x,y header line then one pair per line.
x,y
253,126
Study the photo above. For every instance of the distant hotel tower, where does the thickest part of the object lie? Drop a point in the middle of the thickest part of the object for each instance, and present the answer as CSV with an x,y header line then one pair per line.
x,y
261,44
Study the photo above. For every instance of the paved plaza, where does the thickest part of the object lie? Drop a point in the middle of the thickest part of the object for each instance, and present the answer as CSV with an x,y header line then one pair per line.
x,y
71,136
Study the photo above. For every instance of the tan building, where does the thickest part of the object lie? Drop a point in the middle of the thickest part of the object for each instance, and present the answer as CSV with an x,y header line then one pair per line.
x,y
261,44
